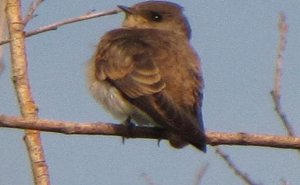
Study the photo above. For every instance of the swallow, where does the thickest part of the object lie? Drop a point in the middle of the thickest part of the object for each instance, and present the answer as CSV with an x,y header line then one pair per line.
x,y
147,73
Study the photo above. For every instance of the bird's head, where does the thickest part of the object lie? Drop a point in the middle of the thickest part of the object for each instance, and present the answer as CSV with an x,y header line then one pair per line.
x,y
157,15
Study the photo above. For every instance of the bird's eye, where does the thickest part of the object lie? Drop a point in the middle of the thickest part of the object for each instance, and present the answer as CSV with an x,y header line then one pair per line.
x,y
156,17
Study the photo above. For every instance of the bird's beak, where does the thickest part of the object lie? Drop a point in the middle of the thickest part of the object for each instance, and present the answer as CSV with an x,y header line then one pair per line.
x,y
126,9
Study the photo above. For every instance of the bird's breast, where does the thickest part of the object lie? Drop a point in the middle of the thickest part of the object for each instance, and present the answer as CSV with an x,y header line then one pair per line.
x,y
111,99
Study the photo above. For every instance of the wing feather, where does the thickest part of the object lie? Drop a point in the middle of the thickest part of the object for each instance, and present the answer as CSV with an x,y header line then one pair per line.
x,y
127,63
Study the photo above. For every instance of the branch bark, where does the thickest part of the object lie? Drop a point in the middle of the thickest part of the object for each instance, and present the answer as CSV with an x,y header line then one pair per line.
x,y
3,32
20,79
213,138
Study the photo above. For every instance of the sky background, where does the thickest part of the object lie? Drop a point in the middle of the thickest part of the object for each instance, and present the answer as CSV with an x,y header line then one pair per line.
x,y
237,42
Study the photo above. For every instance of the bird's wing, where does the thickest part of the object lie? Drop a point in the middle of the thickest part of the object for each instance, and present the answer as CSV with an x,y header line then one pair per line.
x,y
130,65
127,64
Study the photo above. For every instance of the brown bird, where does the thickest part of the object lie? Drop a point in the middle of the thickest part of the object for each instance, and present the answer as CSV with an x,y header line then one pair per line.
x,y
148,73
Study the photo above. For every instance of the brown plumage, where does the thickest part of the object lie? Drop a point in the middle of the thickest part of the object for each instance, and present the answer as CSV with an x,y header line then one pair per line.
x,y
148,71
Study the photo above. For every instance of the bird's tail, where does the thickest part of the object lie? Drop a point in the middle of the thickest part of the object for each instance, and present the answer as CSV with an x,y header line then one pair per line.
x,y
183,127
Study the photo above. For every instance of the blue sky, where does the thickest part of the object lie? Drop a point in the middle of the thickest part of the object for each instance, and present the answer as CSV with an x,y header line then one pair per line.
x,y
237,43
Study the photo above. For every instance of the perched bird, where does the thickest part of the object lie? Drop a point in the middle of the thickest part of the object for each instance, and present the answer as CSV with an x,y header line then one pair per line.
x,y
148,73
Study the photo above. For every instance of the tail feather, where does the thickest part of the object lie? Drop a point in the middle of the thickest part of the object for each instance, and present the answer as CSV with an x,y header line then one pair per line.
x,y
177,121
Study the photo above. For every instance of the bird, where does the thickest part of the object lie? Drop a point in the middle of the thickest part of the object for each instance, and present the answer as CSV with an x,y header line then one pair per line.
x,y
147,73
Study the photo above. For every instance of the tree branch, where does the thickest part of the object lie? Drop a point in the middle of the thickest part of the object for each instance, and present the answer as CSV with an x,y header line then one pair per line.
x,y
213,138
276,92
55,26
20,79
32,8
236,170
201,174
3,32
147,179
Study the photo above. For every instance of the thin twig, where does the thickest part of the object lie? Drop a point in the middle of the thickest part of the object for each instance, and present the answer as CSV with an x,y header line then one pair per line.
x,y
147,179
237,171
56,25
20,80
212,138
201,174
32,8
276,92
284,182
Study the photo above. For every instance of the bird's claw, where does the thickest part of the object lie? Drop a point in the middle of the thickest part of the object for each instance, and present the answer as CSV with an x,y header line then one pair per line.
x,y
129,127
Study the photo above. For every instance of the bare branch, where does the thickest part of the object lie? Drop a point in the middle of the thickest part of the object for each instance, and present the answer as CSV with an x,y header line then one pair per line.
x,y
283,28
22,87
200,174
220,138
56,25
213,138
32,8
232,166
284,182
3,31
276,92
147,179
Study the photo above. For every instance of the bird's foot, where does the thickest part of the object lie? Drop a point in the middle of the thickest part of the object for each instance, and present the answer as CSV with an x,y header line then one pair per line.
x,y
158,142
159,129
129,127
